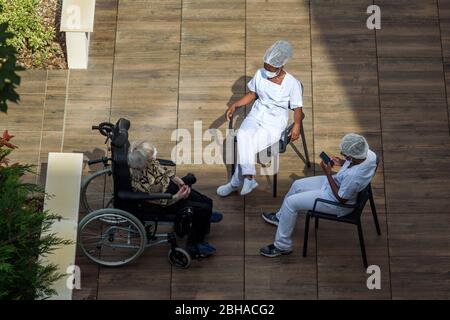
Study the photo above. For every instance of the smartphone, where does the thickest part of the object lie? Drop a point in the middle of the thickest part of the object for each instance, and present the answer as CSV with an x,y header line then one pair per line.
x,y
326,159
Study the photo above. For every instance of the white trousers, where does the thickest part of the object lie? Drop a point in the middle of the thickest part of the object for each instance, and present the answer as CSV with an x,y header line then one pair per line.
x,y
252,138
301,196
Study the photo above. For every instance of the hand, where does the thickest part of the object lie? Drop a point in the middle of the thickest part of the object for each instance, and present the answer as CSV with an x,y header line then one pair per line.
x,y
230,112
183,193
188,192
294,134
179,182
337,161
326,168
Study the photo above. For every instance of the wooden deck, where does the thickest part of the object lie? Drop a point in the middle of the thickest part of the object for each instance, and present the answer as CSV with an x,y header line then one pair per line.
x,y
165,64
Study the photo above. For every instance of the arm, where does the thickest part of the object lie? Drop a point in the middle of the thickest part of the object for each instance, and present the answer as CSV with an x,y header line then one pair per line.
x,y
174,199
334,187
296,103
295,132
248,98
183,193
337,161
177,180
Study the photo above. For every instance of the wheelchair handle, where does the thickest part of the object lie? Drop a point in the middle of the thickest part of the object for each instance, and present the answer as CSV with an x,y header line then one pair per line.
x,y
102,159
105,128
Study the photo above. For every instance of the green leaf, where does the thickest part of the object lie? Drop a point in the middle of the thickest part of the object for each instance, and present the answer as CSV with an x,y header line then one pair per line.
x,y
8,68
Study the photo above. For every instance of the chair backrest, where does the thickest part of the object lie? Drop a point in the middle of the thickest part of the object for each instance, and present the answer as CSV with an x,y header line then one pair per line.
x,y
119,152
364,194
362,198
285,139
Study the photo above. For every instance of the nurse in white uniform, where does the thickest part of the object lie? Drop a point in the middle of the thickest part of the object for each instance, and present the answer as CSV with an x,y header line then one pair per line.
x,y
357,170
276,92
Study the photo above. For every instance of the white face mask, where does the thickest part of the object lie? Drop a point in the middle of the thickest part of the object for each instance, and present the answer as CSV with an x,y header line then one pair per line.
x,y
155,152
270,74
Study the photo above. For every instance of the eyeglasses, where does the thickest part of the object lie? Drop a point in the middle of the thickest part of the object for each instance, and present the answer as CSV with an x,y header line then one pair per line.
x,y
265,67
345,156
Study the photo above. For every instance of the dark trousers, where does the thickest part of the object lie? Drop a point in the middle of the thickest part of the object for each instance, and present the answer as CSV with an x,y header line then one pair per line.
x,y
202,207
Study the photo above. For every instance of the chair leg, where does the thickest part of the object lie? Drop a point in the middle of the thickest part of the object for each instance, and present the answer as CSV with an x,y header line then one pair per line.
x,y
305,241
274,186
374,211
361,243
317,223
305,147
233,165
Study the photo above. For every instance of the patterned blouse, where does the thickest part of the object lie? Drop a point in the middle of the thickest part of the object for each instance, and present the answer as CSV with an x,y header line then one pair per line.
x,y
154,178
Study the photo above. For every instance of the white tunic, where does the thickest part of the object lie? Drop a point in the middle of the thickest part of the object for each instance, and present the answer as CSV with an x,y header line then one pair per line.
x,y
271,109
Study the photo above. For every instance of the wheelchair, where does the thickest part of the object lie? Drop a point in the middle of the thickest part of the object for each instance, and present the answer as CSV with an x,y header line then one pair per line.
x,y
119,223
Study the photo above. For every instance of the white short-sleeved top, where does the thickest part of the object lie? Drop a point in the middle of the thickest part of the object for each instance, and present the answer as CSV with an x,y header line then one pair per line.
x,y
352,180
274,100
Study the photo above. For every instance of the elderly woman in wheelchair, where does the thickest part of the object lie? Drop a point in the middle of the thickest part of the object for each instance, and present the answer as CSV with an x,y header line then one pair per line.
x,y
148,175
124,216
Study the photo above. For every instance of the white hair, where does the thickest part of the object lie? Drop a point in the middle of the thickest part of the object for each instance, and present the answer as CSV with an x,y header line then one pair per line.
x,y
139,153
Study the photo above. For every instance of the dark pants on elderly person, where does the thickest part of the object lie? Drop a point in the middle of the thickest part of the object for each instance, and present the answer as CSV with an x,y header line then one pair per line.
x,y
202,207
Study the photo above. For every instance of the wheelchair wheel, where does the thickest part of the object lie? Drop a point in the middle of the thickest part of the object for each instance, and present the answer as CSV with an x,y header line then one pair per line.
x,y
111,237
97,191
179,257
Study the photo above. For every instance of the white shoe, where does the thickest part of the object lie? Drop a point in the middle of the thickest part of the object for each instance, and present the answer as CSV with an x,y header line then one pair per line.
x,y
226,190
249,185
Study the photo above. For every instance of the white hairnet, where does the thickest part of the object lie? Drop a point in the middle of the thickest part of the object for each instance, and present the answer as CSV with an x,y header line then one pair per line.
x,y
354,145
278,54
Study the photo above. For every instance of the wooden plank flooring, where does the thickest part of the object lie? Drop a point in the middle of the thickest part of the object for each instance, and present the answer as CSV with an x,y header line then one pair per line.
x,y
167,64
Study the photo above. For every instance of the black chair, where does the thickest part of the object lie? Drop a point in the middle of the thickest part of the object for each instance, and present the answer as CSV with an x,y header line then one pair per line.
x,y
352,218
282,143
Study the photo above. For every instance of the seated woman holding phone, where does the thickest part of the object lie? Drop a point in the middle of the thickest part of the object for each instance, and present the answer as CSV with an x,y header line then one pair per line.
x,y
357,170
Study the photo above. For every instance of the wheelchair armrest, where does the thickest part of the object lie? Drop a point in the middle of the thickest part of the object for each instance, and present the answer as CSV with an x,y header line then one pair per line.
x,y
165,162
141,196
334,203
103,159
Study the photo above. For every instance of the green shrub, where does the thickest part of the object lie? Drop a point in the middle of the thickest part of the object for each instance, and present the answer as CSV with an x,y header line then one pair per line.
x,y
24,235
28,28
9,79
